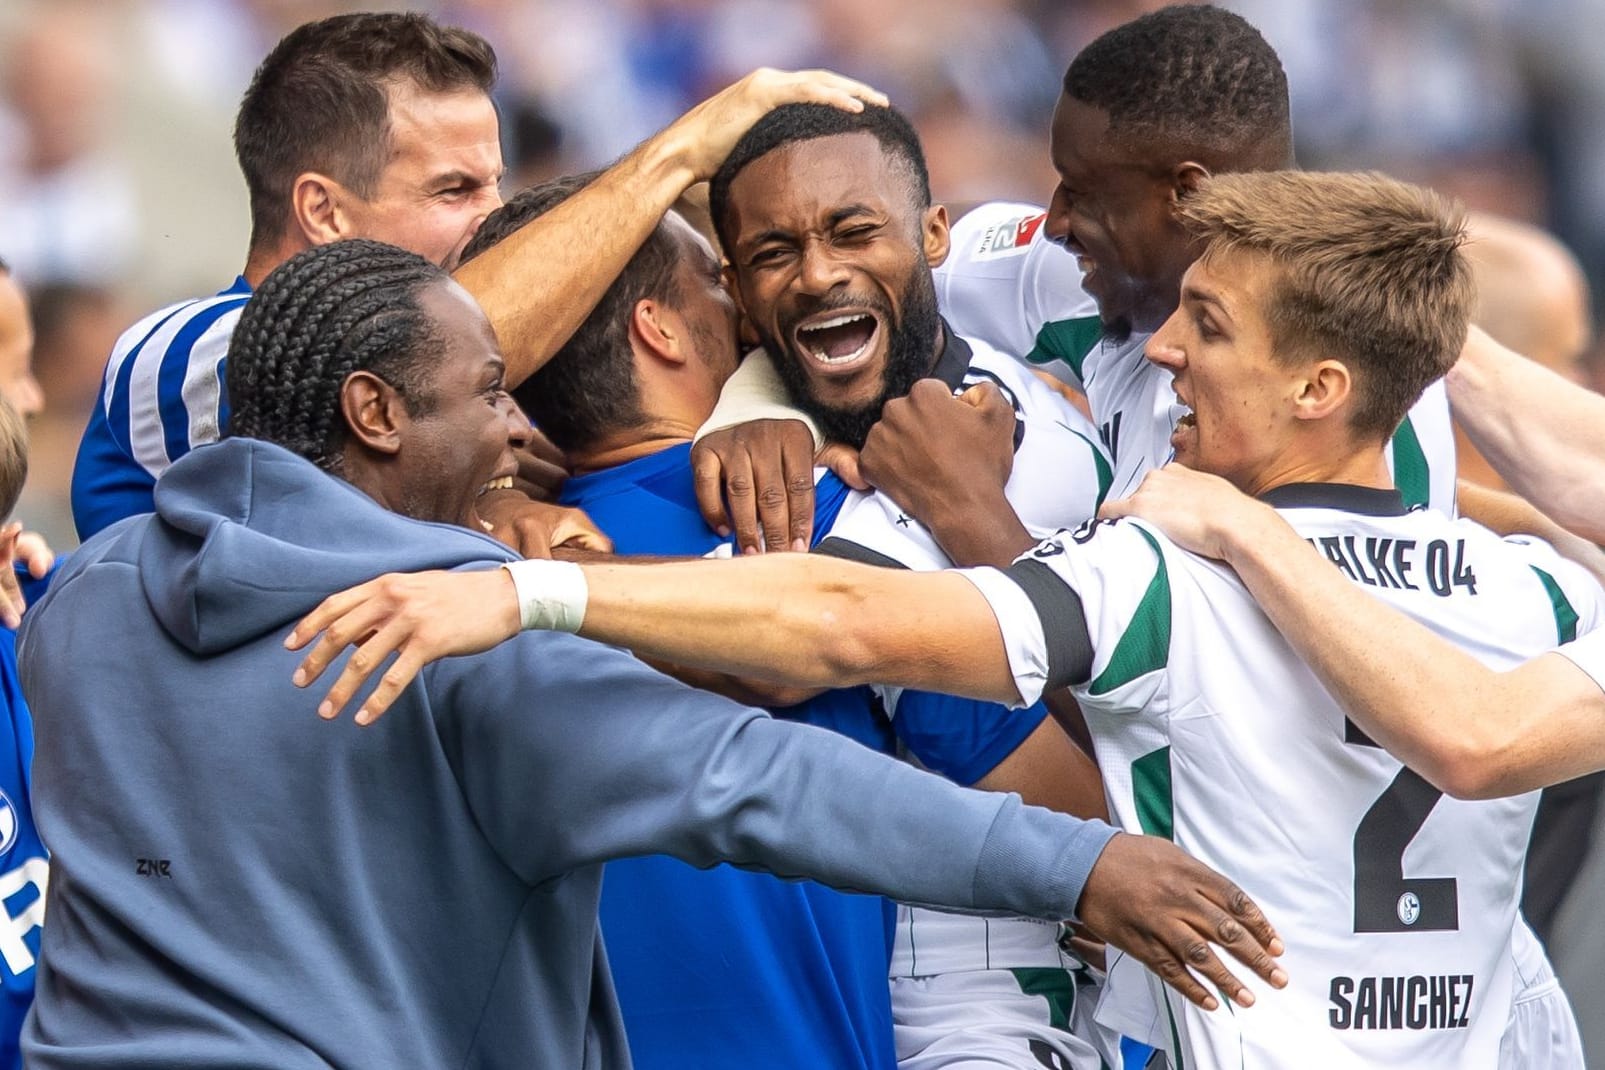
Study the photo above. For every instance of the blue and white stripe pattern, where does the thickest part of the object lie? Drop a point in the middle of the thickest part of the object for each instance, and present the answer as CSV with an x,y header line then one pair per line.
x,y
161,397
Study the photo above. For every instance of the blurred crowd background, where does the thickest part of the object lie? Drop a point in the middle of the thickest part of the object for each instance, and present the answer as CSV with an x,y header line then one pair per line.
x,y
119,192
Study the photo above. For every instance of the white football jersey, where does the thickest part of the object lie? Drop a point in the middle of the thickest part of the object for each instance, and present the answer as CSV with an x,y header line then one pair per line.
x,y
1588,654
1058,480
1396,903
1006,284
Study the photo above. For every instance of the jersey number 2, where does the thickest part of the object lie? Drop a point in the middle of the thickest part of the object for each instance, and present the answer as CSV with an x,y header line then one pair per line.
x,y
1385,900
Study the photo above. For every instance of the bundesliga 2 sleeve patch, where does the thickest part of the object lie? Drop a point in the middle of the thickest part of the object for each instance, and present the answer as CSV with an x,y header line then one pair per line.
x,y
1008,236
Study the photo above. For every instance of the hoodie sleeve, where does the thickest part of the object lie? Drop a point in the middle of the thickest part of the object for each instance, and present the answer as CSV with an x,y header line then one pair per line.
x,y
571,753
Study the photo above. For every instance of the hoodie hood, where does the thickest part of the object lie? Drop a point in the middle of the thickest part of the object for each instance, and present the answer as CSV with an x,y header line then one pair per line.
x,y
248,538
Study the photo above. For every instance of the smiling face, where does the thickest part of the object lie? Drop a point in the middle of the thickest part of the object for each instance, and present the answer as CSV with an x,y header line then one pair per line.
x,y
459,442
1112,208
831,261
1220,348
442,177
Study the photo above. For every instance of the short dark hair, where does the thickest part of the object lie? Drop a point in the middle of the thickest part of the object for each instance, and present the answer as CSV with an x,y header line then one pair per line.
x,y
791,123
1198,75
320,101
588,389
1368,269
320,316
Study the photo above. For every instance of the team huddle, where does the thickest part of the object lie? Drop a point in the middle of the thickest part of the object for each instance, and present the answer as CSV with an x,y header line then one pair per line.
x,y
808,630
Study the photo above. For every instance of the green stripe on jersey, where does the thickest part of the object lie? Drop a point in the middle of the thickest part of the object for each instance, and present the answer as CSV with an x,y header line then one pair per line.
x,y
1565,615
1054,984
1067,340
1106,475
1145,645
1150,788
1411,474
1175,1034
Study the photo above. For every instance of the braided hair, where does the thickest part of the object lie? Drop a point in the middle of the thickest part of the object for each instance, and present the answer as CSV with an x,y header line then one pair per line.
x,y
320,316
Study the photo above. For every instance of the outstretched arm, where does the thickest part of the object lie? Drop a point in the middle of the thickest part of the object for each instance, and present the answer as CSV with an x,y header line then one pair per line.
x,y
1543,434
796,619
1471,731
616,213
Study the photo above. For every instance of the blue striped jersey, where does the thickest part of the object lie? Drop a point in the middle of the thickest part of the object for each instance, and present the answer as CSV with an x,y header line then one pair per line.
x,y
24,866
162,396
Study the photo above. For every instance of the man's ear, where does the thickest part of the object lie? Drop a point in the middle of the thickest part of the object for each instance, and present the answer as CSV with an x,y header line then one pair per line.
x,y
1185,178
934,235
318,204
659,331
374,412
1327,388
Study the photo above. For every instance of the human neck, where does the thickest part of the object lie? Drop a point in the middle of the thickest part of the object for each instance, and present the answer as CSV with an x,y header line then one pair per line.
x,y
658,435
263,259
1364,467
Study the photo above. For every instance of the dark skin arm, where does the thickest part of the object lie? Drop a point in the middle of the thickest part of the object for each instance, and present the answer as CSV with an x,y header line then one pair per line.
x,y
945,461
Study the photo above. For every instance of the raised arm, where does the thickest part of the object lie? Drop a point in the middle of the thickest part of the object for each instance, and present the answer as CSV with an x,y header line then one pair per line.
x,y
1471,731
1543,434
798,619
538,286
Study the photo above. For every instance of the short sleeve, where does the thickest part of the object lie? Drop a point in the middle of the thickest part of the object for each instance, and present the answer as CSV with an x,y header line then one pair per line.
x,y
1005,283
1091,610
1588,654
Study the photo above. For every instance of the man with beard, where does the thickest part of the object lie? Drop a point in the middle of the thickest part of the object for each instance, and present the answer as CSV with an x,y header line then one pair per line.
x,y
1148,111
447,917
1298,348
830,234
701,980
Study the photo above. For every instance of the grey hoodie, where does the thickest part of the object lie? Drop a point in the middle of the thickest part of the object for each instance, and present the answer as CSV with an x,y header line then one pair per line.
x,y
235,883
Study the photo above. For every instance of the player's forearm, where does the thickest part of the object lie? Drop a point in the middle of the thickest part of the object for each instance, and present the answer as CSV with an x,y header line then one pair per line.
x,y
1433,707
538,286
805,621
979,529
1507,514
1544,435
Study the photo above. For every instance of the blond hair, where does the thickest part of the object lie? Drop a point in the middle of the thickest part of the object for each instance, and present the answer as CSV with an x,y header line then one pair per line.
x,y
1369,271
13,457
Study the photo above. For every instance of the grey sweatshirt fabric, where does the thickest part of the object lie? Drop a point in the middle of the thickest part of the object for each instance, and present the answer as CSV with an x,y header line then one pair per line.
x,y
235,883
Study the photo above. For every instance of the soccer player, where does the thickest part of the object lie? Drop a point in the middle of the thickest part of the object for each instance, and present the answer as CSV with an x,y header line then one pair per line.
x,y
827,222
206,908
382,126
720,967
1148,110
1473,732
622,398
1296,351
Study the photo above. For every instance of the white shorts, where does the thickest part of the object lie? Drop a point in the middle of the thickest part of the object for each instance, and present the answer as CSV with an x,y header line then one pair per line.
x,y
1542,1033
991,1020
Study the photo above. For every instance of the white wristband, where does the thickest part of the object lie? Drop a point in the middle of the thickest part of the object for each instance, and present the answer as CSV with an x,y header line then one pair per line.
x,y
551,594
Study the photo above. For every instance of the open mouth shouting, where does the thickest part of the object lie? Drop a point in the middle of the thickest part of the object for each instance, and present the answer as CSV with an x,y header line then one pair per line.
x,y
1184,423
840,339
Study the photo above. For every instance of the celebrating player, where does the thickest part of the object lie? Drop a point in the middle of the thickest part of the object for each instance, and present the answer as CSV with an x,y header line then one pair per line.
x,y
638,370
1148,110
1296,351
382,126
449,917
